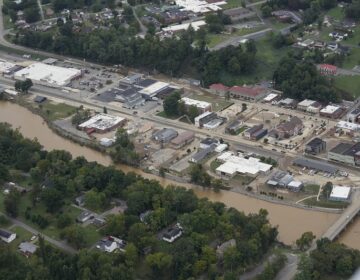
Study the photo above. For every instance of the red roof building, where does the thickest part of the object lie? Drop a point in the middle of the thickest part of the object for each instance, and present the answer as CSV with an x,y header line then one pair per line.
x,y
248,93
327,69
219,89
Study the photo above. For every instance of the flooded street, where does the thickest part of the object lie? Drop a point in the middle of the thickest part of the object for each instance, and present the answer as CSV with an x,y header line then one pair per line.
x,y
292,221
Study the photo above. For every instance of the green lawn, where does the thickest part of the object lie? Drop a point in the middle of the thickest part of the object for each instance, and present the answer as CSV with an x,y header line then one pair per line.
x,y
312,188
278,24
336,13
232,4
350,84
164,115
91,235
267,60
2,197
214,164
325,203
55,111
241,180
8,24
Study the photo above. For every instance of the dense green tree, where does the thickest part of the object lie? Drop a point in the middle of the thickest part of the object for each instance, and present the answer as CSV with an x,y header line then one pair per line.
x,y
11,203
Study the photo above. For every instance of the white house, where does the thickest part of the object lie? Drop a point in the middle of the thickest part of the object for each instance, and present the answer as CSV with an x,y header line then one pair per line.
x,y
7,236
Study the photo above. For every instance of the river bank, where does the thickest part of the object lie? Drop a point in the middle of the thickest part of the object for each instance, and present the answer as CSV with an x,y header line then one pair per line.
x,y
292,222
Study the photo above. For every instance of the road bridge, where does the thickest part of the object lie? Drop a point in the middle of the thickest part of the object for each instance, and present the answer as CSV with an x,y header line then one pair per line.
x,y
347,217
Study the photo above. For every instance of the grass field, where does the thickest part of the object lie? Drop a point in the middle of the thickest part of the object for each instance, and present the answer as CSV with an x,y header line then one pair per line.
x,y
267,59
164,115
232,4
7,22
56,111
311,189
350,84
336,13
325,203
214,164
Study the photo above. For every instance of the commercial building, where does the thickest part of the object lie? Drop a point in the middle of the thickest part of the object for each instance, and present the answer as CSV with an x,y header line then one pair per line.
x,y
347,153
205,118
202,106
234,127
315,165
132,79
102,123
199,6
287,129
164,135
270,97
130,97
340,193
249,133
288,103
353,116
239,14
348,126
151,91
295,186
184,26
202,154
254,93
327,69
48,75
207,142
7,236
305,104
233,165
214,123
280,179
332,112
7,69
183,139
219,89
315,146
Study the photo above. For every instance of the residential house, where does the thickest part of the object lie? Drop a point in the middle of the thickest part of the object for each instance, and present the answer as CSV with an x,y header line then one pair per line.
x,y
80,200
202,154
172,234
208,142
110,244
85,216
27,249
7,236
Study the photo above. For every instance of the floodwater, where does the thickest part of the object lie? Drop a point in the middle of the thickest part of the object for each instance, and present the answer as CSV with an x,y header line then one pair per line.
x,y
291,221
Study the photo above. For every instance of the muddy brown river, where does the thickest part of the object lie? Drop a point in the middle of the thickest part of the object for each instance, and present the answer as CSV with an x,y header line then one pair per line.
x,y
292,222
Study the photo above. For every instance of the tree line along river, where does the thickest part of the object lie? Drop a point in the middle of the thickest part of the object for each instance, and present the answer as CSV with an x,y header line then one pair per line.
x,y
292,221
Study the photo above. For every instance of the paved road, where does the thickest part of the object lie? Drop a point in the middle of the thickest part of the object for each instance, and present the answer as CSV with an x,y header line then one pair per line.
x,y
59,244
290,269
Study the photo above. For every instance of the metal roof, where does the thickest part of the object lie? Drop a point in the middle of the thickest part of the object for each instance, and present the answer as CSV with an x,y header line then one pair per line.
x,y
316,165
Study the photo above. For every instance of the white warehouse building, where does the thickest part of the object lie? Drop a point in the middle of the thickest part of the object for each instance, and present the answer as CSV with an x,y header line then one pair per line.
x,y
233,165
48,75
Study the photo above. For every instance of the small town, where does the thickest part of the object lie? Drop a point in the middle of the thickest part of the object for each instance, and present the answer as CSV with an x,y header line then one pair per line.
x,y
182,139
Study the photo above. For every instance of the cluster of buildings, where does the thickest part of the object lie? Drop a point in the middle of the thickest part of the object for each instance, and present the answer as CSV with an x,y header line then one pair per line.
x,y
173,138
25,248
283,179
134,90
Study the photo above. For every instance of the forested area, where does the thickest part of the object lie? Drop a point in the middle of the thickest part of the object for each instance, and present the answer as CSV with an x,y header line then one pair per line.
x,y
299,79
94,5
56,179
118,45
329,260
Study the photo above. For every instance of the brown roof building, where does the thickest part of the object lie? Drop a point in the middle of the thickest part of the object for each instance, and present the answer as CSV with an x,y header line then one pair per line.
x,y
254,93
183,139
287,129
219,89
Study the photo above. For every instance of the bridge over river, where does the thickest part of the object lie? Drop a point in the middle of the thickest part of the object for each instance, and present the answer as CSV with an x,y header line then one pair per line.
x,y
347,216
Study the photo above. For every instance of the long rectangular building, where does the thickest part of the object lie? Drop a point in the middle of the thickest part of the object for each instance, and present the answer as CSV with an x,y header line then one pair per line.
x,y
48,75
102,123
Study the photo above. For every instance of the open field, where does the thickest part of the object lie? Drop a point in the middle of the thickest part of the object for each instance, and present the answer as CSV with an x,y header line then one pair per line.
x,y
328,204
350,84
57,111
